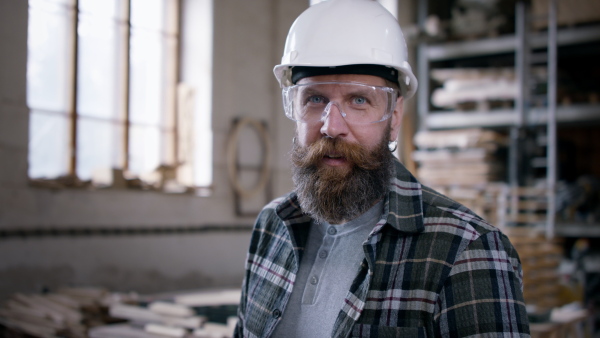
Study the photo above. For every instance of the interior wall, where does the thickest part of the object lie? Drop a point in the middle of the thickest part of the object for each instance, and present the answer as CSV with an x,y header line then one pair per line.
x,y
248,41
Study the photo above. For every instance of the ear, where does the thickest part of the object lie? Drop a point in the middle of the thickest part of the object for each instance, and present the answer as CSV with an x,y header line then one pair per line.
x,y
397,119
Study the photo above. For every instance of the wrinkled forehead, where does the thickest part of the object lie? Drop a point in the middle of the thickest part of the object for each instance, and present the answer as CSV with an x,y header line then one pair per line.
x,y
355,78
337,89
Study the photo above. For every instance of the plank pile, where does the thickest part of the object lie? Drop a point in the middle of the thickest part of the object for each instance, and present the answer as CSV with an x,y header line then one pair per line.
x,y
469,89
464,157
193,314
540,259
97,313
483,200
68,312
524,206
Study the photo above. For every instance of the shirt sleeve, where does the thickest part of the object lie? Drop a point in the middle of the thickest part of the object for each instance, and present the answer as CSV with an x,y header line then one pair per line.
x,y
483,294
238,332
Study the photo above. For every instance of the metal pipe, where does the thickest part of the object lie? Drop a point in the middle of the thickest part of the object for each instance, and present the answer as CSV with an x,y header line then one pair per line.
x,y
522,62
73,103
551,125
423,69
126,86
521,103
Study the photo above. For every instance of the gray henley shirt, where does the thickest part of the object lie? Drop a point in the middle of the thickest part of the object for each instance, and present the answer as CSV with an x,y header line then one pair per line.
x,y
330,262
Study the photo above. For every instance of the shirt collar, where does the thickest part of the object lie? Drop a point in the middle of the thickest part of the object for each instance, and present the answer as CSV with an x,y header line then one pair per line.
x,y
404,202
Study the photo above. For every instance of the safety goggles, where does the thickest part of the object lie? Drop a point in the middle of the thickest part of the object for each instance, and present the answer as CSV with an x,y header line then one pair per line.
x,y
358,103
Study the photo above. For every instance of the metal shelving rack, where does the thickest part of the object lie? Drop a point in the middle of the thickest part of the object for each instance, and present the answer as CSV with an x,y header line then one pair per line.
x,y
521,44
504,44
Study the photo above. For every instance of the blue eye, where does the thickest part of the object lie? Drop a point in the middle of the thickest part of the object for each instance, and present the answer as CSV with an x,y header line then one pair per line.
x,y
360,100
316,99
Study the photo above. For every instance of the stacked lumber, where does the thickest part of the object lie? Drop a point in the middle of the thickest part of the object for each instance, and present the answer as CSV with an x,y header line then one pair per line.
x,y
540,258
524,205
569,12
68,312
481,89
463,157
97,313
159,317
483,200
196,314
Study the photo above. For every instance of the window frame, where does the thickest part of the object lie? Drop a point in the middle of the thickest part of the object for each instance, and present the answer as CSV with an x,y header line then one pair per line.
x,y
171,79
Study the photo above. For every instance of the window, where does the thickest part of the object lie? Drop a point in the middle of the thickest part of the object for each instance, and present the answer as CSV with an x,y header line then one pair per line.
x,y
103,92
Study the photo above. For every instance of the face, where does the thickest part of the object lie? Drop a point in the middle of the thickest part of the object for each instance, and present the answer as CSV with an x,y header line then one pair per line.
x,y
335,126
340,170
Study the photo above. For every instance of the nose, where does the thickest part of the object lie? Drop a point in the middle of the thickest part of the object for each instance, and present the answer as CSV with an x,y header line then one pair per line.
x,y
334,123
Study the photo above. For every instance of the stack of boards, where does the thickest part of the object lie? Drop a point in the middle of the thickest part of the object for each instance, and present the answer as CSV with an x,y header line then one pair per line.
x,y
179,315
97,313
67,312
463,157
540,259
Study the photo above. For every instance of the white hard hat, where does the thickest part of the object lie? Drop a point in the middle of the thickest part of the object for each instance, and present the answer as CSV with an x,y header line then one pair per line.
x,y
347,32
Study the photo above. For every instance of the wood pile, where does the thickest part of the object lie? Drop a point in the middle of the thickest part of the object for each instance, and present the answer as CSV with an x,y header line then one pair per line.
x,y
483,200
480,89
540,259
463,157
569,12
196,314
523,206
97,313
68,312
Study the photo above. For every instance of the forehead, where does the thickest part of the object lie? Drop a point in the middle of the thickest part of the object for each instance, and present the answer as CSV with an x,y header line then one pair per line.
x,y
365,79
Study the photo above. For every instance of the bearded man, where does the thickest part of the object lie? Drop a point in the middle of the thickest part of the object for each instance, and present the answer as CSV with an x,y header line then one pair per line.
x,y
360,248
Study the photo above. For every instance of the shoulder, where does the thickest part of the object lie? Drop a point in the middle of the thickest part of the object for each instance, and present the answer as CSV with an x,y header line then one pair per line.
x,y
462,229
269,212
275,217
438,208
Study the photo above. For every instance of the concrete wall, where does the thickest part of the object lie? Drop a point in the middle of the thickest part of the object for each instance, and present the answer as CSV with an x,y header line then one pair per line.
x,y
248,40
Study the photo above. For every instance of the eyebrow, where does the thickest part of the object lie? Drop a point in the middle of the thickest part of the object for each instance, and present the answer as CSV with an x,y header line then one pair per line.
x,y
310,91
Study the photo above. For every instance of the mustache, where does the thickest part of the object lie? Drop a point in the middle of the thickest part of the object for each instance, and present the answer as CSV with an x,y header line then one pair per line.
x,y
359,156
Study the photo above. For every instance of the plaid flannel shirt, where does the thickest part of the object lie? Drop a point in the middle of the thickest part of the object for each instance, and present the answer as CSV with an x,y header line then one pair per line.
x,y
432,268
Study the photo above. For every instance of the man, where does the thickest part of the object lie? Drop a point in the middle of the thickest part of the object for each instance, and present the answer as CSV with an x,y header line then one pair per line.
x,y
360,248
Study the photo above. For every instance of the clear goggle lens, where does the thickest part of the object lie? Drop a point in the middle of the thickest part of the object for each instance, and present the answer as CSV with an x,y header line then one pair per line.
x,y
358,103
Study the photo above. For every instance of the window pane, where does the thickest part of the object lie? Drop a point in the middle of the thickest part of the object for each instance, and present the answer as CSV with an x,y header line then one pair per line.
x,y
203,158
148,14
51,5
170,79
99,78
146,78
99,146
49,56
48,144
144,148
196,58
60,2
107,9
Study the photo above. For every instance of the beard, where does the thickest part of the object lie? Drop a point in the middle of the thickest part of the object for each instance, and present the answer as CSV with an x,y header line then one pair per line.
x,y
339,194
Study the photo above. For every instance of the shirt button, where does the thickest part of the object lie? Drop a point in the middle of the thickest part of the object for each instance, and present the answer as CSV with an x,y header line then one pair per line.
x,y
323,254
314,280
331,231
276,313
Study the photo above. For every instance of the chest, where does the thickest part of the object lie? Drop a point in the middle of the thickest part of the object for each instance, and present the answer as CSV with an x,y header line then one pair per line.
x,y
396,285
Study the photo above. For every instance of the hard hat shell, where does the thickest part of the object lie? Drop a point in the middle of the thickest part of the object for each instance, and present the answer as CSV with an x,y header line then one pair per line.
x,y
346,32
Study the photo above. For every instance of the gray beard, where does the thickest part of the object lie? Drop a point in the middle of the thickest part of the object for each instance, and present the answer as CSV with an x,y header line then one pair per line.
x,y
335,198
